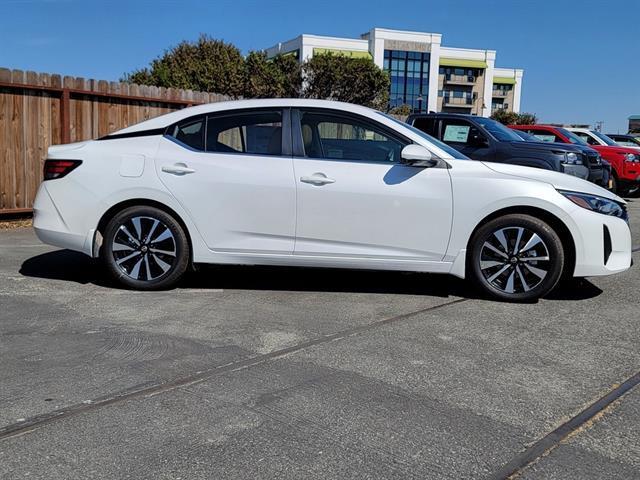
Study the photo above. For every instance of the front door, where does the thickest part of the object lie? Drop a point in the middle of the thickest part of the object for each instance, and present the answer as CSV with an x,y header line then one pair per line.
x,y
228,171
355,199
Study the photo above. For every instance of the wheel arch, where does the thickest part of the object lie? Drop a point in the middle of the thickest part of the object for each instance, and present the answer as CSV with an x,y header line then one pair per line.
x,y
137,202
568,242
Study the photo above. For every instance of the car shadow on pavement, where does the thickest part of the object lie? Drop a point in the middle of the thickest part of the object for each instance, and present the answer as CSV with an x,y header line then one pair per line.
x,y
75,267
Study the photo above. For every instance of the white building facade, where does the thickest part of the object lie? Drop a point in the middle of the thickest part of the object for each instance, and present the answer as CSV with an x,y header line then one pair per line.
x,y
424,75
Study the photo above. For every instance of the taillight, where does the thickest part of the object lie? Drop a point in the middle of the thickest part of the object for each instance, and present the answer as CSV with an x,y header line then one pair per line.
x,y
59,168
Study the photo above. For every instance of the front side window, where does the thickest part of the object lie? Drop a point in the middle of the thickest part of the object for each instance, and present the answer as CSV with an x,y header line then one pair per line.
x,y
587,138
604,138
459,132
190,133
573,138
339,137
257,133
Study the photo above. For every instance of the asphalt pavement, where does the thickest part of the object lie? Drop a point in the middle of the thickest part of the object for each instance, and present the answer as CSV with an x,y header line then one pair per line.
x,y
252,372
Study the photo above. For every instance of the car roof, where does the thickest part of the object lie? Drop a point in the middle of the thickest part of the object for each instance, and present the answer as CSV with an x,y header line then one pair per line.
x,y
170,118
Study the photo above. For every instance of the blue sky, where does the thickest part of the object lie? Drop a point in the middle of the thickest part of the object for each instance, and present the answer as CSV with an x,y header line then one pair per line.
x,y
581,57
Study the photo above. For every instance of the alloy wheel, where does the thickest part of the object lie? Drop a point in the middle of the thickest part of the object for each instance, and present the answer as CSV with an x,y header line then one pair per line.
x,y
514,260
144,248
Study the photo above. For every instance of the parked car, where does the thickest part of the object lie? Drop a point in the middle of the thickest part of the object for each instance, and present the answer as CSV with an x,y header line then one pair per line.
x,y
482,138
599,169
325,184
624,166
628,158
625,140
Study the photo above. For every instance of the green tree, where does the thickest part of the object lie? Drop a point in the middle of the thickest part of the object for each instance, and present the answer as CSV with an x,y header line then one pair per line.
x,y
504,116
526,119
512,118
205,65
346,79
401,110
271,78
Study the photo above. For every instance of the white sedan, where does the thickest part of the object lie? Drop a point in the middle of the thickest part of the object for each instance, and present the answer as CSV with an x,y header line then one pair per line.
x,y
320,184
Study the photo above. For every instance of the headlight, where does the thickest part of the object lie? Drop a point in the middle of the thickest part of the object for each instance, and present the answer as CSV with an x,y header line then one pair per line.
x,y
572,159
596,204
630,157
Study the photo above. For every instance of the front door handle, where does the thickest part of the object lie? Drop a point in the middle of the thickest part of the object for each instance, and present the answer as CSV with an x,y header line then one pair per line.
x,y
317,179
177,169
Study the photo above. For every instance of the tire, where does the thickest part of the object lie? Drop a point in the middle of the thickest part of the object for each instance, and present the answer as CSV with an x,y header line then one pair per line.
x,y
145,248
614,183
509,274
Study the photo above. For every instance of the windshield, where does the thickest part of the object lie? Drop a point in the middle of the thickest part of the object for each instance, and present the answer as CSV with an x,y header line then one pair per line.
x,y
573,138
498,130
604,138
443,146
526,136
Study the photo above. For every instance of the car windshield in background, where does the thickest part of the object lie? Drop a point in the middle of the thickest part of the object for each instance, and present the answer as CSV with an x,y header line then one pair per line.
x,y
605,139
573,138
498,130
443,146
526,137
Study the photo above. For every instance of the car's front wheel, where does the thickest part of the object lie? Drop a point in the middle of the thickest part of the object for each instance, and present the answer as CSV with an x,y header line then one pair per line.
x,y
145,248
516,258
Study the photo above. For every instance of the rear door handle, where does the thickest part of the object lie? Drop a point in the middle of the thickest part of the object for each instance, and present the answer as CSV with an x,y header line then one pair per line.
x,y
317,179
178,169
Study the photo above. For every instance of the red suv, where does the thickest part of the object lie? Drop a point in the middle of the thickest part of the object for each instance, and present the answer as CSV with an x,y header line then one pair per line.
x,y
625,162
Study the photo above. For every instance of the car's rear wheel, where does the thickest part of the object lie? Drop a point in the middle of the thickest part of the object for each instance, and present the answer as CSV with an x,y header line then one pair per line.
x,y
145,248
516,258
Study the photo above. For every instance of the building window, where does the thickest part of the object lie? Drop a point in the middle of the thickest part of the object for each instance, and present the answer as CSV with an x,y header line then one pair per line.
x,y
409,73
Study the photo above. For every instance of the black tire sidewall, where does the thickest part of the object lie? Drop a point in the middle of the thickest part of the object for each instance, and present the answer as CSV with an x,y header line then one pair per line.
x,y
548,235
167,280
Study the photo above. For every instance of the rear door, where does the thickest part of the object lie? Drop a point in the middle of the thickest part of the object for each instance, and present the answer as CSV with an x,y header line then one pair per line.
x,y
234,175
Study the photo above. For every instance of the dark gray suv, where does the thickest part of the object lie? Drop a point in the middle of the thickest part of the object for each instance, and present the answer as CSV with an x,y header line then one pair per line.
x,y
485,139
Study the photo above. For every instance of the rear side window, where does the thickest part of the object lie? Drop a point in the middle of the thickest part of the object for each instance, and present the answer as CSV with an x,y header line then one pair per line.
x,y
258,133
190,133
427,125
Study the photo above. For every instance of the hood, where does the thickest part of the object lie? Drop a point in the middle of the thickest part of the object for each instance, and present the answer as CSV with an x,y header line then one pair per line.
x,y
560,181
544,146
620,150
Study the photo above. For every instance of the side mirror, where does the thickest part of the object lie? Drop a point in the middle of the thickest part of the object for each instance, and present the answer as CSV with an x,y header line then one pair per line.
x,y
478,141
417,156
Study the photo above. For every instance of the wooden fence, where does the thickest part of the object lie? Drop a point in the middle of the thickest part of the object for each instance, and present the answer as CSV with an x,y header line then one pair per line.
x,y
40,109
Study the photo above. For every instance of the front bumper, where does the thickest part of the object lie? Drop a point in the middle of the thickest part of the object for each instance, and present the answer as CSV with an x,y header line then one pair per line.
x,y
580,171
604,246
599,175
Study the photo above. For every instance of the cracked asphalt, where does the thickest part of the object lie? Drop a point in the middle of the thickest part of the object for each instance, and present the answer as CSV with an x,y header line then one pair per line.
x,y
247,373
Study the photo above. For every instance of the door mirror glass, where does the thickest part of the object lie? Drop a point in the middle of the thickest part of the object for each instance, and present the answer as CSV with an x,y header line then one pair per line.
x,y
477,140
417,156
